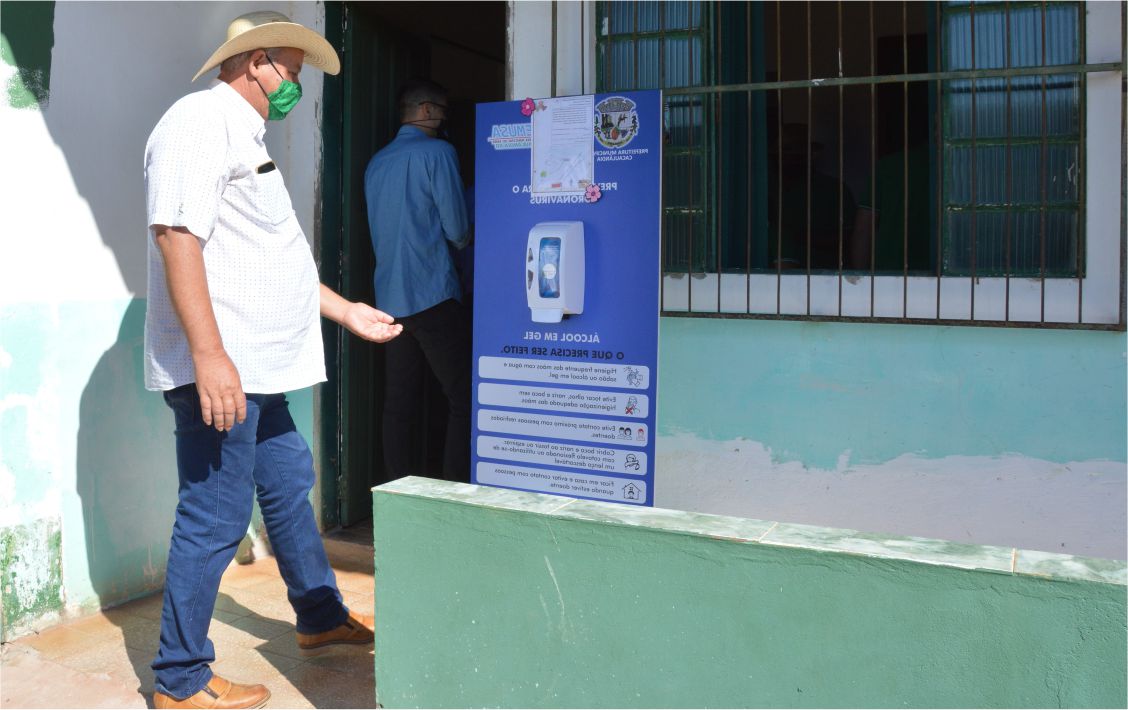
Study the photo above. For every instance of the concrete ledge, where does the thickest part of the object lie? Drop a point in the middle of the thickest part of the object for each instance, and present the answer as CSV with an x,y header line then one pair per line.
x,y
491,597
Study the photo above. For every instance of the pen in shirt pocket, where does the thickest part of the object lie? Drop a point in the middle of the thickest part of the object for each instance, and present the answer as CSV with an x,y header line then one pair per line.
x,y
266,167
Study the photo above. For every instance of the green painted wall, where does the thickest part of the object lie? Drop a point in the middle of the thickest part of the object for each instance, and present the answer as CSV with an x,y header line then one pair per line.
x,y
90,453
90,456
494,598
87,445
811,391
31,575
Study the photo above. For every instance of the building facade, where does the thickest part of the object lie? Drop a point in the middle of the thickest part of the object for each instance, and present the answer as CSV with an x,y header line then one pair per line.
x,y
892,283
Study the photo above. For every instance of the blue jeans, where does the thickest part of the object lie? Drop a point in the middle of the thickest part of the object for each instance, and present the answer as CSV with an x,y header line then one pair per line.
x,y
220,473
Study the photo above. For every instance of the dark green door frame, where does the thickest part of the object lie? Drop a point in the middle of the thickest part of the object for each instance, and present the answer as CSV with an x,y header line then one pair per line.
x,y
358,119
327,246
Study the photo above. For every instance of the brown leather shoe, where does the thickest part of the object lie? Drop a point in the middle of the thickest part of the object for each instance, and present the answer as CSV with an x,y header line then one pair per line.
x,y
218,693
357,629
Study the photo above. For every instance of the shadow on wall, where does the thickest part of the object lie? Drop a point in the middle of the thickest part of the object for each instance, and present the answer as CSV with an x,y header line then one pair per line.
x,y
126,478
101,96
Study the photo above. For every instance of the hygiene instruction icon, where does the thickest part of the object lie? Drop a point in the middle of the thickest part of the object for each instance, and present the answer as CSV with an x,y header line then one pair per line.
x,y
631,492
632,405
634,379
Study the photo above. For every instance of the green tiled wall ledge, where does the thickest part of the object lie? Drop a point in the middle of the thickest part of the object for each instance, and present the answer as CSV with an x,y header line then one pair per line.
x,y
494,598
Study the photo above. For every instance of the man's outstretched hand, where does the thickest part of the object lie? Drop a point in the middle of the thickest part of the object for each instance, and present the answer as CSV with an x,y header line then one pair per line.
x,y
360,318
366,322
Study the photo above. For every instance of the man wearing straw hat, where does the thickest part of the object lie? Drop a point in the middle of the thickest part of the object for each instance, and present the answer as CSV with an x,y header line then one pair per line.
x,y
233,322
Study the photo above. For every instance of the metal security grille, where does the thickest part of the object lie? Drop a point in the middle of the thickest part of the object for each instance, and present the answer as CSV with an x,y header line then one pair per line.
x,y
907,161
650,45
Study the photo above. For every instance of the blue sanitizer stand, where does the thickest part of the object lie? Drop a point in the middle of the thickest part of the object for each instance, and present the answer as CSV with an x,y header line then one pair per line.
x,y
568,407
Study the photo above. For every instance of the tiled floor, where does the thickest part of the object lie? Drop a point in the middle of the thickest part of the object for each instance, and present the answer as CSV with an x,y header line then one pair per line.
x,y
103,661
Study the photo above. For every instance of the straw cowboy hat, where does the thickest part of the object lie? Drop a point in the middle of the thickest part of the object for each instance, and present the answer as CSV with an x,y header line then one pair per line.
x,y
265,29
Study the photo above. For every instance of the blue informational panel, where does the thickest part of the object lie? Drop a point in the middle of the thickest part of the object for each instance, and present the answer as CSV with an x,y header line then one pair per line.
x,y
566,296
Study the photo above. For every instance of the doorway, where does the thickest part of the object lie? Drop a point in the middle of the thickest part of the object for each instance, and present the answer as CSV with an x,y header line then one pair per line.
x,y
461,45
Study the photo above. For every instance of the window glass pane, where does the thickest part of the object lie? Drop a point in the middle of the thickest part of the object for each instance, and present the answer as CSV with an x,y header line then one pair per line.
x,y
622,64
682,15
648,15
648,63
1063,175
620,16
1035,239
990,49
1061,242
1062,41
1063,98
990,108
957,257
957,41
1026,180
989,162
990,40
1027,236
684,121
1063,104
683,61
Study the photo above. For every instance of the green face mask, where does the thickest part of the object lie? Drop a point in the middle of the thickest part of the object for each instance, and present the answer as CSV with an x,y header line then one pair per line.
x,y
283,99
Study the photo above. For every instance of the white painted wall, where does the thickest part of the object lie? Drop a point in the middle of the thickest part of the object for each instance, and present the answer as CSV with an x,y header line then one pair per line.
x,y
530,48
73,266
1011,500
114,72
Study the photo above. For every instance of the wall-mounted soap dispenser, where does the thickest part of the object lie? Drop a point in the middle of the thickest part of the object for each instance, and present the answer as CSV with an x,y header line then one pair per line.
x,y
554,270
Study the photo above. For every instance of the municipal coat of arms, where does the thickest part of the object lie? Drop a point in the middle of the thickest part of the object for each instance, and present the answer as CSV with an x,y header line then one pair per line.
x,y
616,122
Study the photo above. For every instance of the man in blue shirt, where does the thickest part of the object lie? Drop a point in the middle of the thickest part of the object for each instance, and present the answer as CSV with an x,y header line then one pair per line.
x,y
416,215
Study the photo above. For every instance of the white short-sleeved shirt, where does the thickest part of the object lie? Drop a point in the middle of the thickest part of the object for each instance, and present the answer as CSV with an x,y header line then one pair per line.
x,y
207,170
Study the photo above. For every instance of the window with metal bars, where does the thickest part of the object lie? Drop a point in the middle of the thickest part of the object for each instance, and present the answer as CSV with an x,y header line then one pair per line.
x,y
910,160
650,45
1012,176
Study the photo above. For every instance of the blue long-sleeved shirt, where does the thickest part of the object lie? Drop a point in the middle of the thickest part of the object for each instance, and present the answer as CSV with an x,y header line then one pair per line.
x,y
415,210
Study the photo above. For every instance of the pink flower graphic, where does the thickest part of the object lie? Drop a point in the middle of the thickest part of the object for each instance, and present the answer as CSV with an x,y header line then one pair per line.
x,y
527,107
593,193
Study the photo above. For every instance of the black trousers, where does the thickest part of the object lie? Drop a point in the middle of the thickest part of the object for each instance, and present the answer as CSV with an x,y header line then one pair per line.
x,y
438,337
